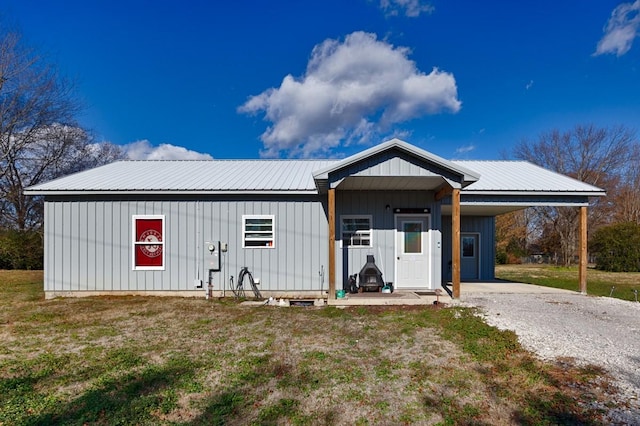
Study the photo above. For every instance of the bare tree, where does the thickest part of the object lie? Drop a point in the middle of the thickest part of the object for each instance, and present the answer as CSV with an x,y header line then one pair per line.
x,y
53,151
627,197
32,95
39,137
598,156
513,235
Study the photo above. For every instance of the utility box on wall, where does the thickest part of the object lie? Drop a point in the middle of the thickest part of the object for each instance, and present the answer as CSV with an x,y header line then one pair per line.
x,y
213,256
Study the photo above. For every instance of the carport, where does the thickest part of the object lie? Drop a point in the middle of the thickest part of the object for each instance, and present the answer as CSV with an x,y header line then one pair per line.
x,y
457,191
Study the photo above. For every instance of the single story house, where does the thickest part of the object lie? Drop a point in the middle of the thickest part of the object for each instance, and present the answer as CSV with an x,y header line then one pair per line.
x,y
302,227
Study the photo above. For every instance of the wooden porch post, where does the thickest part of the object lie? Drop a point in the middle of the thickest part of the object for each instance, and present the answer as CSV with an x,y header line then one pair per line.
x,y
332,243
455,234
582,272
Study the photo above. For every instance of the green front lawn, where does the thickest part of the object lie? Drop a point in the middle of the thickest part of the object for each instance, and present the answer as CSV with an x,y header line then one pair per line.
x,y
173,361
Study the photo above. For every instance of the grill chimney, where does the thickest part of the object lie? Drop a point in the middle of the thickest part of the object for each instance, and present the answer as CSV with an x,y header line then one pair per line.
x,y
370,277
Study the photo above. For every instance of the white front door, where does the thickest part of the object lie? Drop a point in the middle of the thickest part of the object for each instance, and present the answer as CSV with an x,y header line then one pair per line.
x,y
412,257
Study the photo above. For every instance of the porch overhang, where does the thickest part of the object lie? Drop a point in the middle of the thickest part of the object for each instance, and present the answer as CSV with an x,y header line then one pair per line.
x,y
393,183
393,165
497,203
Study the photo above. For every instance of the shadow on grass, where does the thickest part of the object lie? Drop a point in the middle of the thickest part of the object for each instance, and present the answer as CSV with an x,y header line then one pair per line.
x,y
125,390
239,403
221,408
147,395
231,407
555,400
128,399
547,406
452,411
554,409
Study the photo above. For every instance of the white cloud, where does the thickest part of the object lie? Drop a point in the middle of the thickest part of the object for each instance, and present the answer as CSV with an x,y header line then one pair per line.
x,y
621,29
352,91
465,149
410,8
529,85
144,150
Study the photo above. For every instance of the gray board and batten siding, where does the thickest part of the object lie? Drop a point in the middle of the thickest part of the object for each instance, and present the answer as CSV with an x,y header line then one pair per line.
x,y
89,243
484,228
380,205
89,240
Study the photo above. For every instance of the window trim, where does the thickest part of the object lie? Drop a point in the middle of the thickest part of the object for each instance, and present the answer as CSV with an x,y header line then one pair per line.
x,y
473,246
369,218
135,243
272,244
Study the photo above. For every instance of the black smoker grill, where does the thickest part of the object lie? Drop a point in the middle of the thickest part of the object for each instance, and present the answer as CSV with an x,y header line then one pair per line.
x,y
370,277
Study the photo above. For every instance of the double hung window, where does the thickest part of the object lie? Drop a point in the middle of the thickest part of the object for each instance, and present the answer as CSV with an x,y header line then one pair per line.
x,y
148,242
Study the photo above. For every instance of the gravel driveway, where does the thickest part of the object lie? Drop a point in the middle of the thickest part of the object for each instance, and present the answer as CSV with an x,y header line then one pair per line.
x,y
595,330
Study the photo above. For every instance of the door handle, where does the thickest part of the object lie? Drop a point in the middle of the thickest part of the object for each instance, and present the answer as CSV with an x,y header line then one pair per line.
x,y
398,257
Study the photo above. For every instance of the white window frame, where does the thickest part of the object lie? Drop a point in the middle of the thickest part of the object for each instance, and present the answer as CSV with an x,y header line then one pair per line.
x,y
269,242
360,234
135,243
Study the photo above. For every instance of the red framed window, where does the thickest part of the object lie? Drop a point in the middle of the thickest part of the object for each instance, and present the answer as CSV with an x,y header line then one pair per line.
x,y
148,242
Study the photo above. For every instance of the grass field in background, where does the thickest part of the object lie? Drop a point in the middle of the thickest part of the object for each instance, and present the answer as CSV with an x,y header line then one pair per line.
x,y
155,360
599,283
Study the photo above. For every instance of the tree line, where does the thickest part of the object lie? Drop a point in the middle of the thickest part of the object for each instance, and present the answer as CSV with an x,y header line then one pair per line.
x,y
607,157
40,140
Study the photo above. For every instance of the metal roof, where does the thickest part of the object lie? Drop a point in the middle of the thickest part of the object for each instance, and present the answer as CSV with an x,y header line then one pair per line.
x,y
522,177
287,176
208,176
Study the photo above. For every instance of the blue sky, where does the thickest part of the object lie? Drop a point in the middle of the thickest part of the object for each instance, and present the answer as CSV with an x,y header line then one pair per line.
x,y
251,79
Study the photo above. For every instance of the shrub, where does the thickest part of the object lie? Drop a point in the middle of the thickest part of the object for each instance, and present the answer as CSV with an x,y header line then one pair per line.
x,y
21,250
617,247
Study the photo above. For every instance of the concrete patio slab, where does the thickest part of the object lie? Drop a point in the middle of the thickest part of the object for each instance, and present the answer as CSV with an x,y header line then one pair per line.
x,y
403,297
505,287
398,297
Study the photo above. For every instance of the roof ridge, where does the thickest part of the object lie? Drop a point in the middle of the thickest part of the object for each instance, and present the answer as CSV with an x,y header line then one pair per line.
x,y
187,160
491,161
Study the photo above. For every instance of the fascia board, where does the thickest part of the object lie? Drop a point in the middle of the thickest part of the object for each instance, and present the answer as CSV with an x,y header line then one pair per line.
x,y
537,193
175,192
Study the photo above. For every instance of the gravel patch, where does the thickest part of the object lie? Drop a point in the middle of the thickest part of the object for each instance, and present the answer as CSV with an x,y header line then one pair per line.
x,y
592,330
